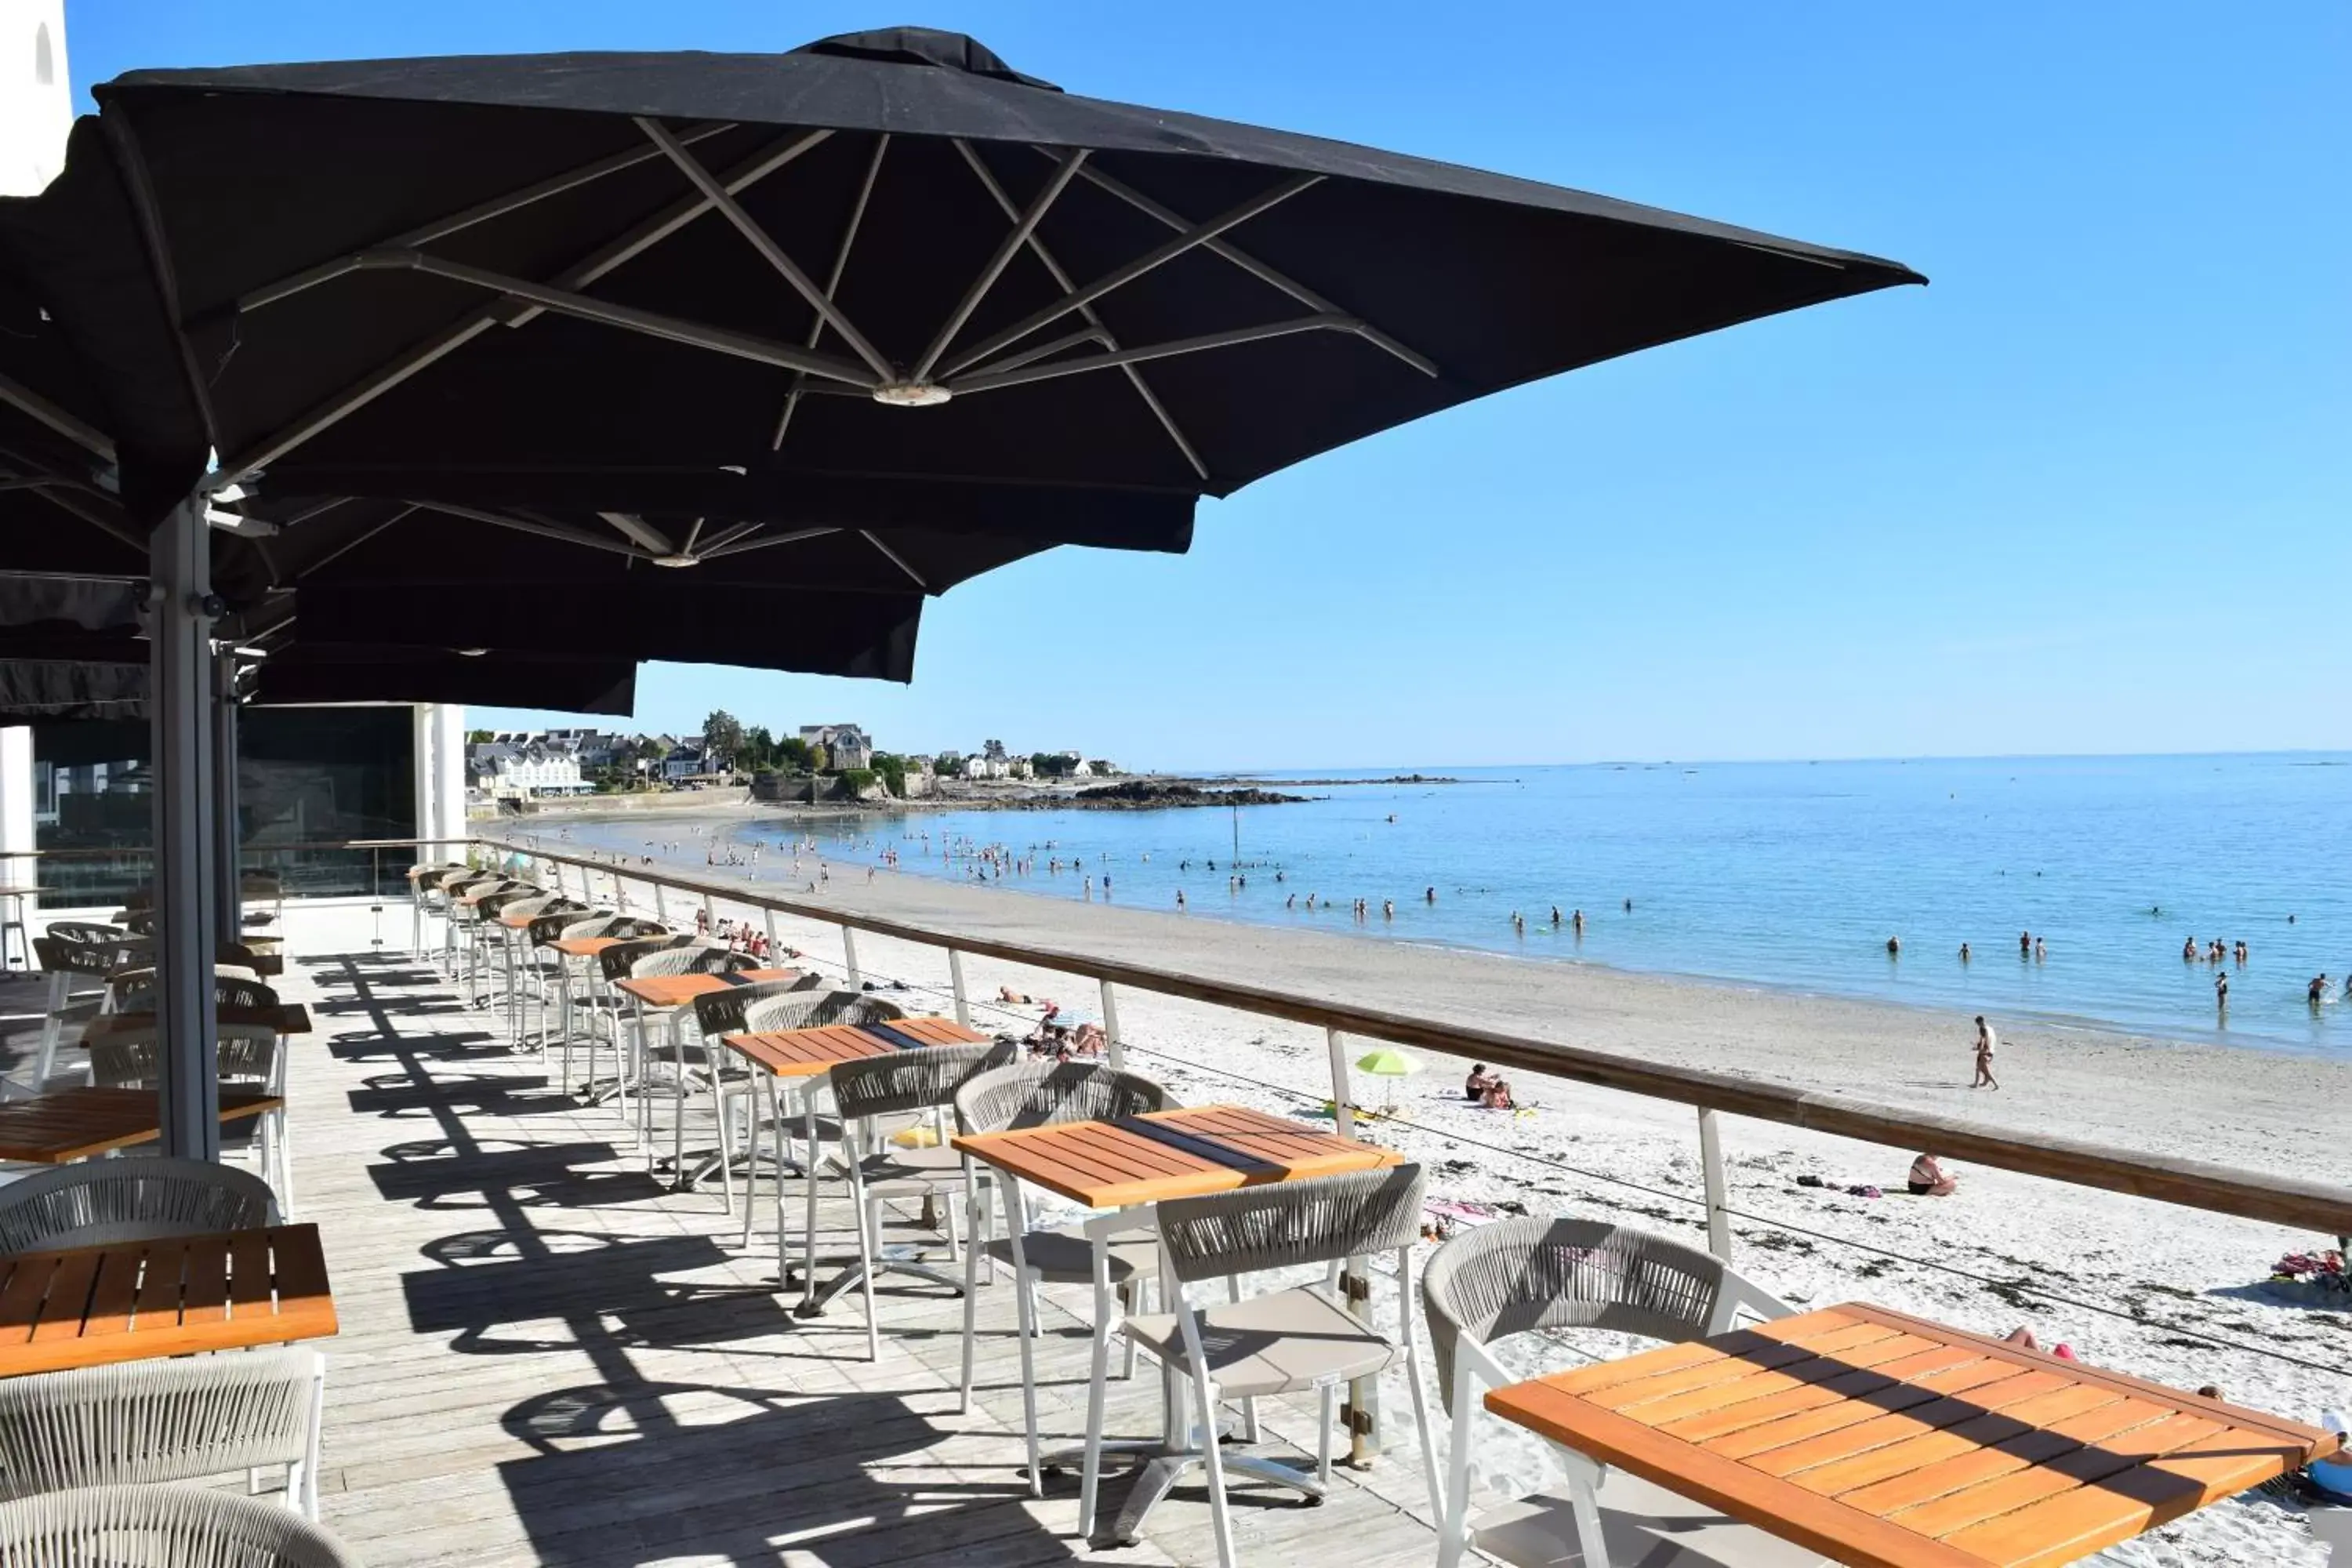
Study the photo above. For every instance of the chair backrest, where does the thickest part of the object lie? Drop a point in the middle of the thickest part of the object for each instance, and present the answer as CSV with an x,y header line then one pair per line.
x,y
96,1203
1524,1275
151,1421
247,1054
617,961
693,956
1322,1219
808,1004
86,932
183,1525
912,1080
493,905
728,1012
555,920
58,954
1041,1094
137,994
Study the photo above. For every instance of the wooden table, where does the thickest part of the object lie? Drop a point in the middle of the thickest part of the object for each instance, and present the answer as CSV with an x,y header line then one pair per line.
x,y
587,946
1878,1439
800,1058
79,1124
287,1018
1113,1165
1169,1154
94,1305
663,993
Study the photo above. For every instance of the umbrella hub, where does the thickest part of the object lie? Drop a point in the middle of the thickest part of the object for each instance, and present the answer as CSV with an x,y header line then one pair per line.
x,y
678,558
923,46
912,393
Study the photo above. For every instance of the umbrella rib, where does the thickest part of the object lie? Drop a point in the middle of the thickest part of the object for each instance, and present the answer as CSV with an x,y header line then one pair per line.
x,y
407,510
482,212
1094,317
1119,276
764,243
449,339
24,400
794,537
638,530
533,525
990,381
1006,249
832,281
653,323
1093,175
727,536
895,559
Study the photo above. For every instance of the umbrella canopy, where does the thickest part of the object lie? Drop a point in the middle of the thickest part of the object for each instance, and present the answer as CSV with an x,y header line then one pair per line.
x,y
1387,1062
885,281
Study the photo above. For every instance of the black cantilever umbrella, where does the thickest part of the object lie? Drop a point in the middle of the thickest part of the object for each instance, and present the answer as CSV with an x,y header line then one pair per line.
x,y
881,281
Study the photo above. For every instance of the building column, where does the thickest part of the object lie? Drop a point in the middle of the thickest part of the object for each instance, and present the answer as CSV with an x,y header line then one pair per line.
x,y
180,697
440,749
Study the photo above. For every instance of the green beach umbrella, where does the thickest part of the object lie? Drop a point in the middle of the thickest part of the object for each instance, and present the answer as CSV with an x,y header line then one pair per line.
x,y
1387,1062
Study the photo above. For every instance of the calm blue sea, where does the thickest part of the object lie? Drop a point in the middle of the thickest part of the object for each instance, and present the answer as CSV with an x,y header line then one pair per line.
x,y
1790,874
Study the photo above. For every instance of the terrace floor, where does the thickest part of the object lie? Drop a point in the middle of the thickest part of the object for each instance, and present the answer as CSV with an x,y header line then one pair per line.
x,y
547,1356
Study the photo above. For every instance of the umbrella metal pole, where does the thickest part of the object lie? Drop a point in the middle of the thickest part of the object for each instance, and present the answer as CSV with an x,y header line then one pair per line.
x,y
1358,1412
227,850
181,613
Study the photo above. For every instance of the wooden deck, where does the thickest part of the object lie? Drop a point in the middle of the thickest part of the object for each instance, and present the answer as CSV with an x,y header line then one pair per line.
x,y
548,1357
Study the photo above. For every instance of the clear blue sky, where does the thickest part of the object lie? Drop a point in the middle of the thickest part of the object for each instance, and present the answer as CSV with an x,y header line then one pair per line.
x,y
2087,493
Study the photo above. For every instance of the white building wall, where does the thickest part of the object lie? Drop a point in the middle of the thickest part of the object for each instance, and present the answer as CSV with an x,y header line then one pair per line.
x,y
36,101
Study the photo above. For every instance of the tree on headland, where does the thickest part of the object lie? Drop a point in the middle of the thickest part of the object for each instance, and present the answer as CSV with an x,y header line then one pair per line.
x,y
793,752
891,769
819,762
948,765
759,753
478,737
1050,764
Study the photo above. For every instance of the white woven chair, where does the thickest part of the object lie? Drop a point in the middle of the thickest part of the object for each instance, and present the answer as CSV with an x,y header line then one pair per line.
x,y
706,1061
96,1203
802,1004
1527,1276
1279,1342
72,954
165,1421
867,1092
162,1526
1043,1094
250,1055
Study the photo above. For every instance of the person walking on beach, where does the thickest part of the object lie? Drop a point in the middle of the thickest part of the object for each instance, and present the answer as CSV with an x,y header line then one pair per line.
x,y
1179,900
1986,1043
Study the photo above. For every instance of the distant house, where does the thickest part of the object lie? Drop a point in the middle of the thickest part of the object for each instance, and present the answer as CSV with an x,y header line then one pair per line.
x,y
510,770
1075,765
845,745
684,762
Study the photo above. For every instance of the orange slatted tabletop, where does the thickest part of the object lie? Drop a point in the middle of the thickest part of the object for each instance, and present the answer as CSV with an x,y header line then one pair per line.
x,y
677,990
81,1124
287,1018
584,946
1169,1154
1879,1438
805,1053
93,1306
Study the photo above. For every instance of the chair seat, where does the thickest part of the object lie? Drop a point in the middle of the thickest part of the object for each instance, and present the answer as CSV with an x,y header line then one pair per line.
x,y
1646,1526
1066,1258
899,1173
1268,1344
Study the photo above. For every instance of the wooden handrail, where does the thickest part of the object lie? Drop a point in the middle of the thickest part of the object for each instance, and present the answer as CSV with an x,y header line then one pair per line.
x,y
2219,1189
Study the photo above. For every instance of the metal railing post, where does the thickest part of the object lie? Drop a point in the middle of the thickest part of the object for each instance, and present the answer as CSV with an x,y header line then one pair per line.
x,y
1343,1115
1359,1411
1115,1044
661,905
955,981
768,920
1710,1160
849,950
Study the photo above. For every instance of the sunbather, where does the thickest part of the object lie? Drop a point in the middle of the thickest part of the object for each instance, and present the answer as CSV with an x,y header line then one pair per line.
x,y
1928,1180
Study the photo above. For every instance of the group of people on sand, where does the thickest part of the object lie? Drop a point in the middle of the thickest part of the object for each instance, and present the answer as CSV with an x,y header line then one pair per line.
x,y
1490,1091
1057,1038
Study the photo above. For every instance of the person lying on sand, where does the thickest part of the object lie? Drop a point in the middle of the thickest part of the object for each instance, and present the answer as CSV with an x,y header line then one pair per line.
x,y
1006,993
1087,1040
2022,1337
1929,1181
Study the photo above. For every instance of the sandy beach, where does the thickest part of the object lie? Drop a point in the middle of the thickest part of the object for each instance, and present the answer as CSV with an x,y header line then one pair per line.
x,y
2131,1284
